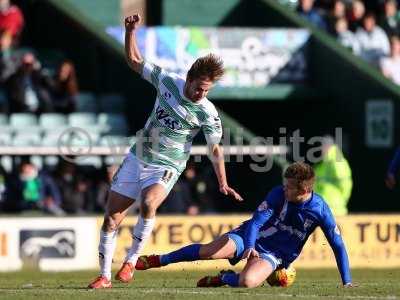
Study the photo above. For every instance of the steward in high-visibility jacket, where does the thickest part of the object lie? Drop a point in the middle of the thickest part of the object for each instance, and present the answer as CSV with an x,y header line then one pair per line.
x,y
333,179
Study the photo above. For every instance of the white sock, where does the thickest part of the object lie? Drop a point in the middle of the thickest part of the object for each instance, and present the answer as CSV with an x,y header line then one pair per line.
x,y
140,235
108,241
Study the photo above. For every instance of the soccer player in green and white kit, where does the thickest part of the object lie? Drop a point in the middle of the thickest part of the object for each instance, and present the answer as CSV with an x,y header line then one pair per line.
x,y
154,164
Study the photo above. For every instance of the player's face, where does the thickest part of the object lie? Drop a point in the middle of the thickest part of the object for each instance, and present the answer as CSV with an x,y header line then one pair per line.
x,y
197,89
292,192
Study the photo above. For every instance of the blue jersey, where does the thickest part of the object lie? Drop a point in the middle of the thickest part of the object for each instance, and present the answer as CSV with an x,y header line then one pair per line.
x,y
283,228
395,163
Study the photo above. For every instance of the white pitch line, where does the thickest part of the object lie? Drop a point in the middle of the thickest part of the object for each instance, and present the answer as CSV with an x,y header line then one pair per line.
x,y
224,292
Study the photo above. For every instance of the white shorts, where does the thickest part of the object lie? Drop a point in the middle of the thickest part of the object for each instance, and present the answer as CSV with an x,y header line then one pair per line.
x,y
134,175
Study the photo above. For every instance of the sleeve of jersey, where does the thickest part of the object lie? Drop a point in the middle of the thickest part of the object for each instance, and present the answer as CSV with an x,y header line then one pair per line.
x,y
212,130
395,163
151,73
260,216
332,233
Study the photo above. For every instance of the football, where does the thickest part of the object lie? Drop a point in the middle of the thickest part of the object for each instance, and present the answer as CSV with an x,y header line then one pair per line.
x,y
282,277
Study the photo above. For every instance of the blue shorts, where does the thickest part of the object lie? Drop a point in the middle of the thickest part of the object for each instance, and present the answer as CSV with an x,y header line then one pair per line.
x,y
236,235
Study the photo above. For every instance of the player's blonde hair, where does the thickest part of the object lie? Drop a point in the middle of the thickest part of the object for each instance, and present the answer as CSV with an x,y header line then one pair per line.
x,y
209,66
303,174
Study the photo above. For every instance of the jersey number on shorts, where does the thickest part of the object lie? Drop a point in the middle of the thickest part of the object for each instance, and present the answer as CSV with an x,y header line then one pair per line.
x,y
166,176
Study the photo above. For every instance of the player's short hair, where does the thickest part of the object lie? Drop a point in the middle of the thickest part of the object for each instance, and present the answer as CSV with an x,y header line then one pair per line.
x,y
210,66
303,173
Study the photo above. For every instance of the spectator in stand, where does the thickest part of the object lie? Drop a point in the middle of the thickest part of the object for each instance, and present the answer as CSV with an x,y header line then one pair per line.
x,y
306,10
356,15
65,88
393,169
333,177
74,188
345,36
373,41
338,11
29,88
32,190
189,195
390,66
390,22
11,24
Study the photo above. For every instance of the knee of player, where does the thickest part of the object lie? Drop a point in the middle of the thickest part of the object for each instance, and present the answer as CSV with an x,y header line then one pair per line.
x,y
248,281
149,205
206,252
109,224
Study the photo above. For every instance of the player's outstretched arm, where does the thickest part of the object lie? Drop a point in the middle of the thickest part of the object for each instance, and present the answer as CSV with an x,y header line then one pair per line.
x,y
132,53
333,235
217,159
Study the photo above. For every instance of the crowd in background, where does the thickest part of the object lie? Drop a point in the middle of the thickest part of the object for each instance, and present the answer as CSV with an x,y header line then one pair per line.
x,y
75,190
27,86
370,29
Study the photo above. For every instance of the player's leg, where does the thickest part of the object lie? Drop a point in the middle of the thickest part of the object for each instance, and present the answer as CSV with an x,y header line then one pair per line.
x,y
254,274
222,247
123,192
152,197
116,210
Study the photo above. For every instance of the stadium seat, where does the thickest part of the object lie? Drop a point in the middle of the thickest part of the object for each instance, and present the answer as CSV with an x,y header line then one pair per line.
x,y
111,160
52,121
4,126
84,121
112,124
50,139
86,102
112,103
18,120
79,119
23,123
22,139
116,140
50,161
90,160
5,138
3,119
6,162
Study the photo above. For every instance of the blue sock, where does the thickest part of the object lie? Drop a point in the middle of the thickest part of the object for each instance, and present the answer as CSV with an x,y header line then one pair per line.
x,y
187,253
231,279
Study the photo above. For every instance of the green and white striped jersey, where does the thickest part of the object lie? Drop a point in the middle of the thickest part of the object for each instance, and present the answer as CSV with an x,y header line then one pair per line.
x,y
175,120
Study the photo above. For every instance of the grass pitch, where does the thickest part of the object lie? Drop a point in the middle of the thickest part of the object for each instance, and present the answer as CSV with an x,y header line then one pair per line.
x,y
309,284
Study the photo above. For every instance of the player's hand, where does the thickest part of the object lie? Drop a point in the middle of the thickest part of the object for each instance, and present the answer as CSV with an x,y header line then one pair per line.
x,y
250,253
228,191
390,181
132,22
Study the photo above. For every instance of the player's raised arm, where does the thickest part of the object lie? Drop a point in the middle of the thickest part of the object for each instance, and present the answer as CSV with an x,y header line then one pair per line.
x,y
217,159
332,234
132,53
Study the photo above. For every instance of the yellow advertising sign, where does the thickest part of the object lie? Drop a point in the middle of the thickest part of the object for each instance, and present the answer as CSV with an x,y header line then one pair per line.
x,y
371,240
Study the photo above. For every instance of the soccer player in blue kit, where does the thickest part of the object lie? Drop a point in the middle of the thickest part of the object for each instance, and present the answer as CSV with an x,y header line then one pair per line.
x,y
271,239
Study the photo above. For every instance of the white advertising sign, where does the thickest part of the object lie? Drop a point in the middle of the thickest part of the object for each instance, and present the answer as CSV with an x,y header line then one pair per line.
x,y
51,244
